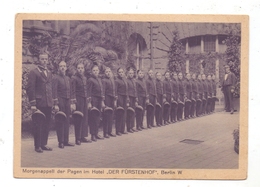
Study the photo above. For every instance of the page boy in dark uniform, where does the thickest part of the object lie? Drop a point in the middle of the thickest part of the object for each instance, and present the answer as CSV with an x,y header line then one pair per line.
x,y
182,96
41,97
210,89
79,91
151,90
167,89
194,85
160,99
199,107
130,121
188,88
66,103
122,101
142,97
95,89
110,100
214,92
205,94
175,95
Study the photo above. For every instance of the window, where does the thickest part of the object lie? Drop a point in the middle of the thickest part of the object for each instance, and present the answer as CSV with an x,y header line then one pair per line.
x,y
194,44
209,43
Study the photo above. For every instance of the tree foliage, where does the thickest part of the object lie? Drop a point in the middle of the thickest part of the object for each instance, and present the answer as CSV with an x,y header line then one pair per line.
x,y
176,54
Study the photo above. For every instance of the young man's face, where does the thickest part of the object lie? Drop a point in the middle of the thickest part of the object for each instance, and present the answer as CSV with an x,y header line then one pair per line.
x,y
175,76
108,73
121,73
159,76
167,75
209,77
180,76
193,76
80,69
203,77
43,60
62,67
131,74
95,71
199,77
188,76
150,73
140,74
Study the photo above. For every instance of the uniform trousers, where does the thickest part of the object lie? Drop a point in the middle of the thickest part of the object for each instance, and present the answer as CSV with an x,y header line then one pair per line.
x,y
150,113
108,120
140,118
159,112
41,130
174,108
121,120
180,107
187,109
193,104
130,120
166,114
62,128
81,130
94,121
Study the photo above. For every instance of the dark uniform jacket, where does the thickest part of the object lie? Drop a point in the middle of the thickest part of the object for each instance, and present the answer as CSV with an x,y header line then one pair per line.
x,y
79,86
109,86
95,87
182,87
131,87
205,86
159,87
39,88
194,85
121,86
62,87
188,87
167,87
214,87
210,89
200,87
141,88
151,86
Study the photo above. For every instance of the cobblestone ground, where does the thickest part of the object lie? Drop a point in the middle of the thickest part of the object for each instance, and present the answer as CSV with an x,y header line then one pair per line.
x,y
159,147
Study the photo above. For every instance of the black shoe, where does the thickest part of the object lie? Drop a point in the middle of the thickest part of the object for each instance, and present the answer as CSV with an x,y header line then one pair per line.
x,y
118,134
46,148
68,144
78,142
38,150
133,130
85,140
106,136
93,138
232,111
112,135
124,133
149,127
61,145
142,127
153,126
139,129
99,137
130,131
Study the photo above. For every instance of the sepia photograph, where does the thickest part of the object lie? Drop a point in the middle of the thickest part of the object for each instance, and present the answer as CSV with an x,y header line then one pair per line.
x,y
131,96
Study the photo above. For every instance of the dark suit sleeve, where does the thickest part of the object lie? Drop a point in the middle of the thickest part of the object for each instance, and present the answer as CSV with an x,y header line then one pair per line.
x,y
233,80
89,87
31,87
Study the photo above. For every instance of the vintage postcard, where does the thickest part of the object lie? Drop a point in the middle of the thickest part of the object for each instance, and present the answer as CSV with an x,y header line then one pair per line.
x,y
131,96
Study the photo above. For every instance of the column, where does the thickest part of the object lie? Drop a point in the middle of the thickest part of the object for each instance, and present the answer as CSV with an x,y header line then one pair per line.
x,y
202,44
137,56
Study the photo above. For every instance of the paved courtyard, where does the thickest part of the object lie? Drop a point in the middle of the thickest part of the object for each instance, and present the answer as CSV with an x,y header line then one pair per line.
x,y
158,147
